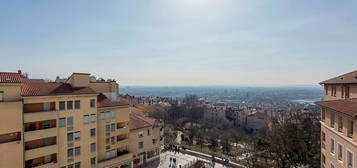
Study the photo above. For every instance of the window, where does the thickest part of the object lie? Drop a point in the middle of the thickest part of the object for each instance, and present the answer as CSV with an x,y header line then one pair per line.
x,y
69,123
70,166
340,152
102,115
47,159
62,122
350,129
112,127
107,115
342,92
323,113
326,90
62,105
77,151
112,114
92,103
112,139
69,105
86,119
107,141
333,91
92,132
46,124
332,146
70,155
47,141
47,106
332,119
140,134
77,104
141,145
70,137
1,96
340,123
323,139
77,165
107,130
350,158
92,118
323,159
93,161
148,131
77,135
153,141
347,92
93,147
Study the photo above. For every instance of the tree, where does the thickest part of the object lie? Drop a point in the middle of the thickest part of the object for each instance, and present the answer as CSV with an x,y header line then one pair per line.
x,y
291,140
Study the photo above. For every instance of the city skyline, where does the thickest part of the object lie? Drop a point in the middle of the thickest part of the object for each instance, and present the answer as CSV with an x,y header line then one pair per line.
x,y
181,42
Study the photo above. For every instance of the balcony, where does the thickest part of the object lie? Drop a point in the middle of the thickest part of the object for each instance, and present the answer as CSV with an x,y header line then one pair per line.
x,y
121,158
48,161
39,107
40,116
47,165
39,152
124,130
40,134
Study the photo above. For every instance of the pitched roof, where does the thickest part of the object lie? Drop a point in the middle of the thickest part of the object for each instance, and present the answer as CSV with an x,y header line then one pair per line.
x,y
10,77
348,106
138,121
103,101
350,77
39,87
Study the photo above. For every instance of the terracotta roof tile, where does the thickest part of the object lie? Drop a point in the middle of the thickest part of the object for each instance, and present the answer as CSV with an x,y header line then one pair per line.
x,y
138,121
103,101
10,77
348,106
38,87
350,77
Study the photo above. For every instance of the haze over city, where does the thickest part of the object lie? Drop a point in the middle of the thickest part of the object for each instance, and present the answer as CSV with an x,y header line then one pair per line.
x,y
181,42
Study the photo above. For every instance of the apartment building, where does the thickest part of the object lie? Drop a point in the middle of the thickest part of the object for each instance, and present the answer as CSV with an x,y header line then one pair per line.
x,y
146,139
78,122
338,122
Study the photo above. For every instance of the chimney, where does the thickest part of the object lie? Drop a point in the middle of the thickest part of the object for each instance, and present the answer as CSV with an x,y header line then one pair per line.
x,y
79,80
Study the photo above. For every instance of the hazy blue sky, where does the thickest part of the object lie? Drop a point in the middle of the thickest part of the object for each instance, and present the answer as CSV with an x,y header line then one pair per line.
x,y
181,42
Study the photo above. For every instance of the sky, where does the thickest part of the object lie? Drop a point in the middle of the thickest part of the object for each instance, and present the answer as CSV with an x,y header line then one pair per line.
x,y
181,42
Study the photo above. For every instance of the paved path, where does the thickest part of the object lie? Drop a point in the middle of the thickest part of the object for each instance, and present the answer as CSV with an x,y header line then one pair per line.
x,y
208,157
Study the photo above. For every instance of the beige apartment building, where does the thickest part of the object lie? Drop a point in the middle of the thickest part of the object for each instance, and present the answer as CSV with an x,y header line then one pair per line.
x,y
146,139
338,122
79,122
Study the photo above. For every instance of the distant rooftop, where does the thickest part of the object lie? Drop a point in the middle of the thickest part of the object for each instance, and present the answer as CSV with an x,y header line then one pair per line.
x,y
138,121
348,106
350,77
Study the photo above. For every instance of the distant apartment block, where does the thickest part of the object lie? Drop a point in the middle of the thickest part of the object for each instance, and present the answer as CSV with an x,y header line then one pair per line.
x,y
78,122
338,122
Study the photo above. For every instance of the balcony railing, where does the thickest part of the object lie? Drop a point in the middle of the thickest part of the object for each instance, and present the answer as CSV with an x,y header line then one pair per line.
x,y
39,152
119,154
37,163
39,107
42,165
40,116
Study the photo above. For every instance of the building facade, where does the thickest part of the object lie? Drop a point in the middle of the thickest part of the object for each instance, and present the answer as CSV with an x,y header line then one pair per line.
x,y
338,122
79,122
146,139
